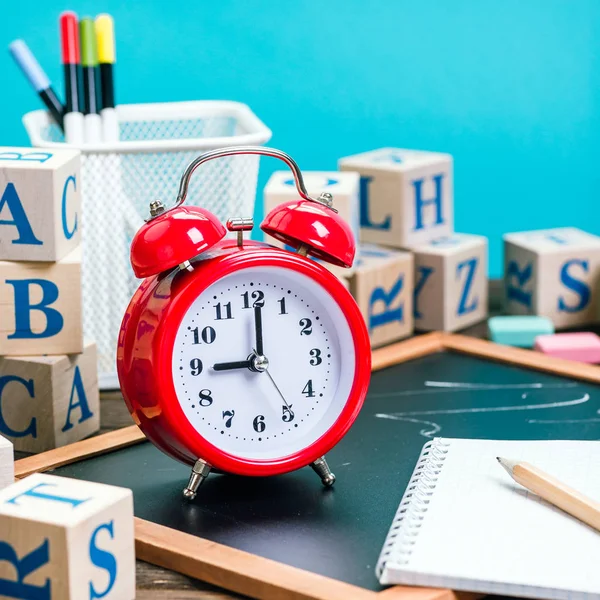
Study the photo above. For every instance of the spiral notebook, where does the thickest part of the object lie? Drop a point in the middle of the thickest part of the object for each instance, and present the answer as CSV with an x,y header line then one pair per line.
x,y
463,523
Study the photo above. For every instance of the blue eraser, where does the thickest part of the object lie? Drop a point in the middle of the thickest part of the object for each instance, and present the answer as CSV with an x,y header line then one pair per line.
x,y
518,330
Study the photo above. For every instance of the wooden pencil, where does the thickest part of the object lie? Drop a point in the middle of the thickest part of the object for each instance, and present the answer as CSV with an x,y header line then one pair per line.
x,y
554,491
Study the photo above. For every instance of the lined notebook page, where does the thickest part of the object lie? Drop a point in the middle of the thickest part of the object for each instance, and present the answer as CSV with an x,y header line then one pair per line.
x,y
467,525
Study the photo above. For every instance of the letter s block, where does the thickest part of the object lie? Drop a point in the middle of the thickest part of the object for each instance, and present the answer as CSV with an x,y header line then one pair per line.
x,y
66,539
382,285
451,282
40,203
553,273
7,463
49,401
406,196
40,307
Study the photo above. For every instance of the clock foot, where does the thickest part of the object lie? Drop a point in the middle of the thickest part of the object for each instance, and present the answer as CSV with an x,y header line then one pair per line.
x,y
321,468
200,472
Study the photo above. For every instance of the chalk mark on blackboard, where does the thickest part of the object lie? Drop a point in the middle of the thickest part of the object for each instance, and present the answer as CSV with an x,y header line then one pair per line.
x,y
497,386
567,421
429,431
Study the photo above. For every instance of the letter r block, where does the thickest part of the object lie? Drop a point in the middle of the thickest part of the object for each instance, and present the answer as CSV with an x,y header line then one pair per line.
x,y
7,463
553,273
382,285
41,307
40,203
451,282
406,196
48,401
66,539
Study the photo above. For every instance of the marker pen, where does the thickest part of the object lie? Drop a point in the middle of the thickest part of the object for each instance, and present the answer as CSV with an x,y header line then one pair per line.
x,y
91,91
73,117
105,38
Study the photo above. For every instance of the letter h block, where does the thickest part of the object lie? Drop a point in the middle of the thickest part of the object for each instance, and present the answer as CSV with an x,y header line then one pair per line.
x,y
41,307
7,463
553,273
451,282
40,203
382,285
66,539
406,196
49,401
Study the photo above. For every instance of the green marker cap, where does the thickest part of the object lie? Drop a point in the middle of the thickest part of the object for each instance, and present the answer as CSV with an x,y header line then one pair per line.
x,y
87,35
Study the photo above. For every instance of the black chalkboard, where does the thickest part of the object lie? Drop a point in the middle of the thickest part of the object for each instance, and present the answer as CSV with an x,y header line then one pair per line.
x,y
339,532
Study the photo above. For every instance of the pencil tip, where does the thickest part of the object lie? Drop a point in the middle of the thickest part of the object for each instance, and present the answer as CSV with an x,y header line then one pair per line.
x,y
507,465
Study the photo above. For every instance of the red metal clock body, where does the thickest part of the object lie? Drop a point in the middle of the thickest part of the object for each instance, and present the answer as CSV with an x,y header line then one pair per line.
x,y
239,356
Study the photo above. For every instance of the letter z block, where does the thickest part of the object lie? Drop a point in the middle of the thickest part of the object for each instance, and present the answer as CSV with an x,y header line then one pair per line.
x,y
49,401
66,539
382,286
7,463
40,203
553,273
406,196
40,307
451,282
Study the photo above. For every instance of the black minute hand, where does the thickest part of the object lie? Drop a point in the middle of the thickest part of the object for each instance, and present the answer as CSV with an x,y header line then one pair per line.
x,y
228,366
258,330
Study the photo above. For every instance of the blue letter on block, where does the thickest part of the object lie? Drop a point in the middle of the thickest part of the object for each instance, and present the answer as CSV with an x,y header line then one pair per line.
x,y
28,564
23,308
576,285
420,202
423,275
104,560
33,493
4,428
40,157
365,219
82,402
68,232
11,199
388,315
471,268
518,294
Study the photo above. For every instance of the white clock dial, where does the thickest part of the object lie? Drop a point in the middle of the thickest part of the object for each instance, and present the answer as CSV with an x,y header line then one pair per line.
x,y
311,363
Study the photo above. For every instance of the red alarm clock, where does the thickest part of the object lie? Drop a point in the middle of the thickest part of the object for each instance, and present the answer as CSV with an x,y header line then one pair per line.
x,y
238,356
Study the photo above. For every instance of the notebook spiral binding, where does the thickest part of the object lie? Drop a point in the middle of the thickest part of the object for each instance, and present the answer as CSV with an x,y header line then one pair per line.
x,y
414,505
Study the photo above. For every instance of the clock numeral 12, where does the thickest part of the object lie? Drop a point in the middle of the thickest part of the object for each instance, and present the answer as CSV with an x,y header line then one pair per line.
x,y
257,296
219,311
228,416
259,424
308,389
208,335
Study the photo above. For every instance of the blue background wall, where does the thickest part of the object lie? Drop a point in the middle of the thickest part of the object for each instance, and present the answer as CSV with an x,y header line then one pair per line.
x,y
510,88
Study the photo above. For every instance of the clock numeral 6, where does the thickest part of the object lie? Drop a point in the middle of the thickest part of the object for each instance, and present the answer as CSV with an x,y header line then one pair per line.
x,y
316,359
208,335
257,296
205,398
308,389
288,414
306,326
195,366
228,416
259,424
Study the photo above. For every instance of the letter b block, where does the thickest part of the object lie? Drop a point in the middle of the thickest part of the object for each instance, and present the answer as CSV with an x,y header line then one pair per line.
x,y
554,273
65,539
406,196
40,200
49,401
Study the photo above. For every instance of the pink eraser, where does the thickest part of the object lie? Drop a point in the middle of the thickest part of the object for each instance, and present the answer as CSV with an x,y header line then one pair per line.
x,y
582,347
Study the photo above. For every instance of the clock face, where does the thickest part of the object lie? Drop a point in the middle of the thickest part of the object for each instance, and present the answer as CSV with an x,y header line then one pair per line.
x,y
298,387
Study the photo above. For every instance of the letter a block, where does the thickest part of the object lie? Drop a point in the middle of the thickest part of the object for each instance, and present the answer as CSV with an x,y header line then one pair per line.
x,y
451,282
66,539
49,401
406,196
40,307
40,203
553,273
382,286
7,463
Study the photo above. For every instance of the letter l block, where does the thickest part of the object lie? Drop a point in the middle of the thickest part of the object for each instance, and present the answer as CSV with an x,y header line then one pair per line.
x,y
66,539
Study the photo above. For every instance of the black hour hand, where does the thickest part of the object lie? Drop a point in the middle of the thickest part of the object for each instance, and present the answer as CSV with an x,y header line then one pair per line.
x,y
229,366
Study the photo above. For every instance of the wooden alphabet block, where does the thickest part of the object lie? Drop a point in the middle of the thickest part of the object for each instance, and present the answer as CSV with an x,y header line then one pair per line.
x,y
451,282
49,401
554,273
66,539
40,203
382,286
41,307
406,196
7,463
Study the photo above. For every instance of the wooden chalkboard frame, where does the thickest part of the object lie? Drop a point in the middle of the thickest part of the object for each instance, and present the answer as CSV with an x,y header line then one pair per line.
x,y
262,578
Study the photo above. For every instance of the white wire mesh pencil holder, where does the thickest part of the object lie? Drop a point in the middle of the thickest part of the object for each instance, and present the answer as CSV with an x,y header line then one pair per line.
x,y
157,141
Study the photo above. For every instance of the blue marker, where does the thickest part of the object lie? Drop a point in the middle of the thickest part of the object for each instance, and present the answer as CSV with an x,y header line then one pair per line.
x,y
37,78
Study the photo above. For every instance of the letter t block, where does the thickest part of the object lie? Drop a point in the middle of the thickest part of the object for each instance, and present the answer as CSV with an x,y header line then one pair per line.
x,y
553,273
66,539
